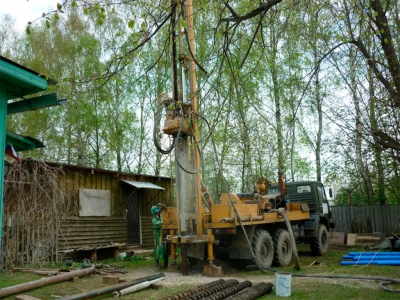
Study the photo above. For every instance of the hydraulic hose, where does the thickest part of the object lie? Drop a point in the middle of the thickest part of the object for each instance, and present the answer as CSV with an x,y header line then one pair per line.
x,y
176,150
384,280
227,189
157,120
292,239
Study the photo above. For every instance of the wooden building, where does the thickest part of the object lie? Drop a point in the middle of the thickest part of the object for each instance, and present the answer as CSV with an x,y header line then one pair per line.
x,y
105,209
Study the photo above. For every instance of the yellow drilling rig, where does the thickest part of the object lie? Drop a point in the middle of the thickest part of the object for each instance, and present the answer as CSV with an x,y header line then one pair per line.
x,y
261,225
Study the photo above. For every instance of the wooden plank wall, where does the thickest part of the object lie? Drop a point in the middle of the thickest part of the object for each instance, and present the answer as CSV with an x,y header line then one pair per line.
x,y
367,219
90,231
83,232
147,232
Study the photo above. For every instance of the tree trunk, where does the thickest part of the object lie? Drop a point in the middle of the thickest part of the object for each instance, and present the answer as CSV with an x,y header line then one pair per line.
x,y
381,197
318,102
277,100
361,167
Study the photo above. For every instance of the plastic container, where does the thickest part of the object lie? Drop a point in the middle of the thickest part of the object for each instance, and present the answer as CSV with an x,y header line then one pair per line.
x,y
283,284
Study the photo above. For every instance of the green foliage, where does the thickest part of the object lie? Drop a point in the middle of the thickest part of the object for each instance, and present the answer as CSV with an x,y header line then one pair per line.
x,y
278,90
131,23
135,257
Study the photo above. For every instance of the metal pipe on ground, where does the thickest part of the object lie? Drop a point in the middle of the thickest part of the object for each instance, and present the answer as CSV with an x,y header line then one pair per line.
x,y
136,287
193,291
230,291
213,290
112,288
252,293
16,289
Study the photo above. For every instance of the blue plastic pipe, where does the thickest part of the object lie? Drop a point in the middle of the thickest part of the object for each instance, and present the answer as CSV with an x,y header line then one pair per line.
x,y
391,262
384,257
374,253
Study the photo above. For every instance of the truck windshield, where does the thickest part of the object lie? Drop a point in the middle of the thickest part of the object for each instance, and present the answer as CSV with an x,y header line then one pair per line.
x,y
273,190
306,188
303,189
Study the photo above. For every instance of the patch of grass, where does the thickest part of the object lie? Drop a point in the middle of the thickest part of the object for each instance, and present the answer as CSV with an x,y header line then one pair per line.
x,y
84,284
301,288
13,278
324,282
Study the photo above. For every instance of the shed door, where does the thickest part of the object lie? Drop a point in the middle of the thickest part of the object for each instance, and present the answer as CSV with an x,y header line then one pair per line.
x,y
133,219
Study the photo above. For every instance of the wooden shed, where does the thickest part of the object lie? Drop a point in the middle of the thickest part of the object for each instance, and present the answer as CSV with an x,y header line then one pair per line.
x,y
101,211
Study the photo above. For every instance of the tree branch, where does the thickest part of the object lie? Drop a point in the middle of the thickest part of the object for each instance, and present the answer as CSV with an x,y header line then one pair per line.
x,y
259,10
386,141
386,39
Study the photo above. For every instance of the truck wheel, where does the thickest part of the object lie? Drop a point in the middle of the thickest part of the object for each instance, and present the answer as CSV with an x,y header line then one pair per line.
x,y
282,248
263,248
319,244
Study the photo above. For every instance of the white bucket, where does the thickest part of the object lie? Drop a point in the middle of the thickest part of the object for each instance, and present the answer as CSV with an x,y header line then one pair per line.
x,y
283,284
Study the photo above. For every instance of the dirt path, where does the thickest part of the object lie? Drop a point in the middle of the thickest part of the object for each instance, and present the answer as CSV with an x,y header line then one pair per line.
x,y
195,278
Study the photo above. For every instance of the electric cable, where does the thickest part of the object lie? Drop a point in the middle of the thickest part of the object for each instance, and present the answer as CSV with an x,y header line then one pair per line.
x,y
384,280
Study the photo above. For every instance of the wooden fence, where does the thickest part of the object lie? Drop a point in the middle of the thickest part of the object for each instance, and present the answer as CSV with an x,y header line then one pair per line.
x,y
367,219
29,239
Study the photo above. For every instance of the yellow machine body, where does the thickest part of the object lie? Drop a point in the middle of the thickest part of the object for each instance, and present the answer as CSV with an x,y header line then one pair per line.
x,y
223,215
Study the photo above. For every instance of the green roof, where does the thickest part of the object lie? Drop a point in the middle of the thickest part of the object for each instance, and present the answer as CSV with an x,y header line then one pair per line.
x,y
22,143
20,81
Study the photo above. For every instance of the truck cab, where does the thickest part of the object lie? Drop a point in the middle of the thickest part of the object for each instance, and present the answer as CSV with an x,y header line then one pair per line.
x,y
311,192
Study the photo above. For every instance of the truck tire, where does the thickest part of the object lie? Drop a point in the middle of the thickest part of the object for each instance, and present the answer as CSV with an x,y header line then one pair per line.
x,y
263,248
319,244
282,248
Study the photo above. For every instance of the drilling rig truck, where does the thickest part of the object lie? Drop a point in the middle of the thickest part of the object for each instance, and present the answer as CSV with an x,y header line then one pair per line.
x,y
243,226
248,226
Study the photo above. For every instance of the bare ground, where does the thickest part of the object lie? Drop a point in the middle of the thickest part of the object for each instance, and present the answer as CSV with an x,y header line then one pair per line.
x,y
195,278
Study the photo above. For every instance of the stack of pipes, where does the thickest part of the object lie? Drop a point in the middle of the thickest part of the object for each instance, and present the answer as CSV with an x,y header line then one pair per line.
x,y
371,258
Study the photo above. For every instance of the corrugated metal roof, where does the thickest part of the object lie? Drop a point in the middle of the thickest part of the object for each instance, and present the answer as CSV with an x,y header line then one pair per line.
x,y
143,185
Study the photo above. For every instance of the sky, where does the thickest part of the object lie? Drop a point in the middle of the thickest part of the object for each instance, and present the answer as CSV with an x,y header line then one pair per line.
x,y
24,11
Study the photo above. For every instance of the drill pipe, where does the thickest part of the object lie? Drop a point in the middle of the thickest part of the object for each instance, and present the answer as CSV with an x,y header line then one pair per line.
x,y
229,291
213,290
196,290
111,288
252,293
16,289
